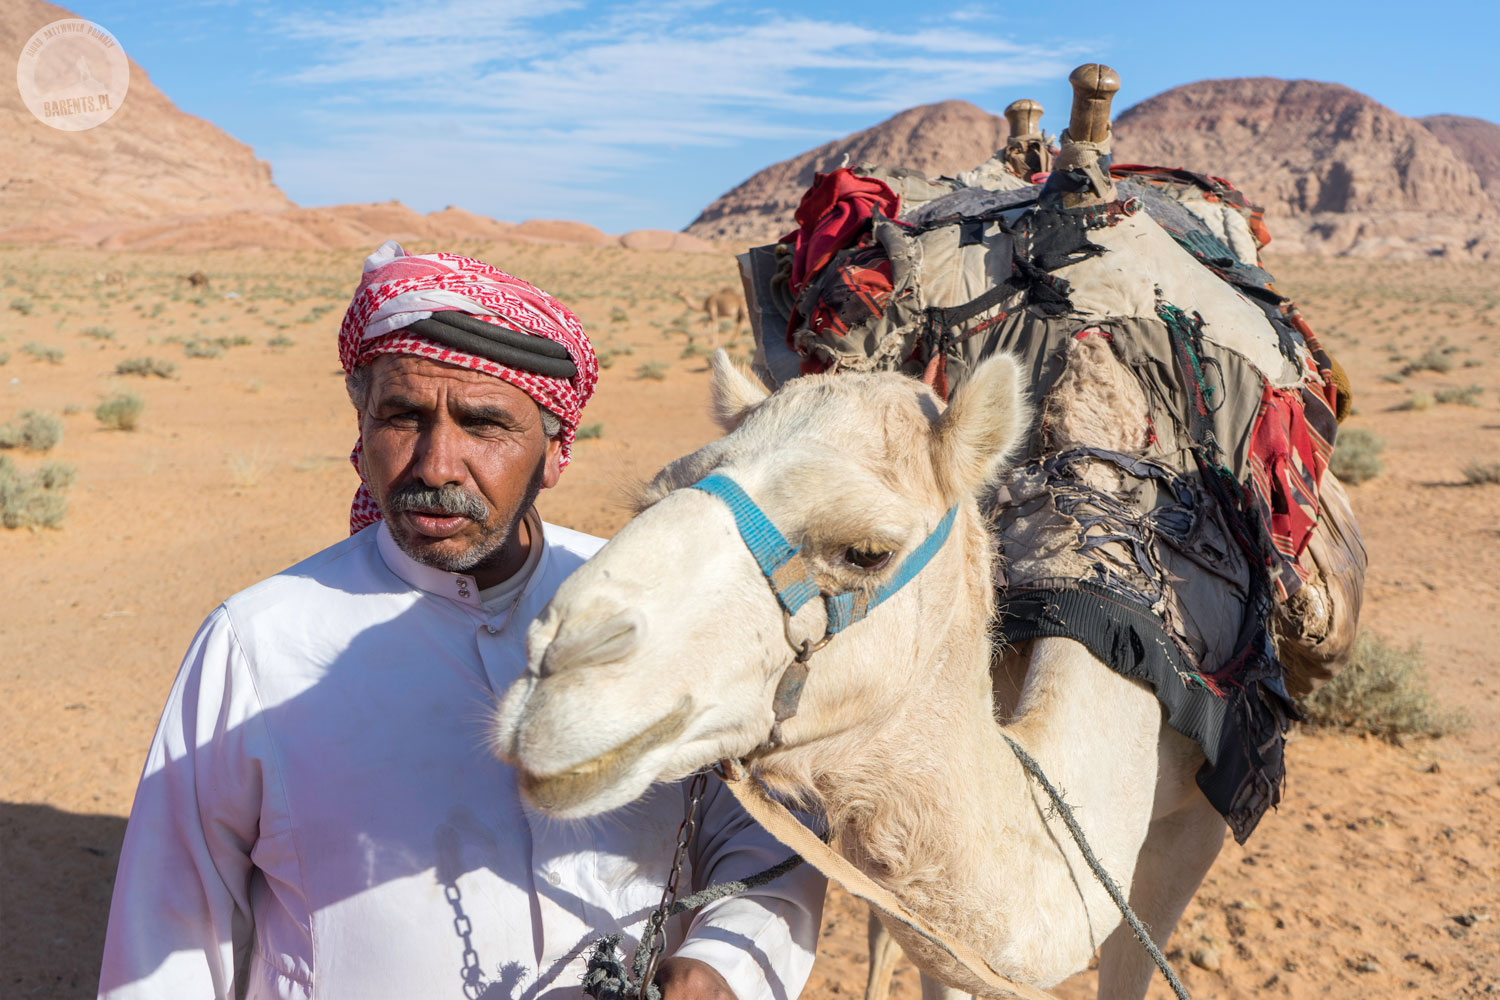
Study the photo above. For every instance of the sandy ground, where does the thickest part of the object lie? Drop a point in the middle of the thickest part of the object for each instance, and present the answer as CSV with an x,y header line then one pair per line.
x,y
1379,876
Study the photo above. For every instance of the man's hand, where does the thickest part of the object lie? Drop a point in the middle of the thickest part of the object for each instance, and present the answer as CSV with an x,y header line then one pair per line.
x,y
690,979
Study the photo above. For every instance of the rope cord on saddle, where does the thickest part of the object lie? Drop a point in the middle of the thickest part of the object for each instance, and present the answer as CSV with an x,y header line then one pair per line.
x,y
1034,770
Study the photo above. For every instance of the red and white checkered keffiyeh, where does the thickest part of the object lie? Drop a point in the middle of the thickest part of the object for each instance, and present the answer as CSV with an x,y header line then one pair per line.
x,y
398,288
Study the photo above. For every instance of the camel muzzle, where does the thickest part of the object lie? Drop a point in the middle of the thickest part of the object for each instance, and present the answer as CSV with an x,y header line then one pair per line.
x,y
570,792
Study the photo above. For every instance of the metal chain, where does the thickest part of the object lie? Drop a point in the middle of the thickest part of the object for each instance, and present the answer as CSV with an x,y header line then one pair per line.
x,y
654,939
472,974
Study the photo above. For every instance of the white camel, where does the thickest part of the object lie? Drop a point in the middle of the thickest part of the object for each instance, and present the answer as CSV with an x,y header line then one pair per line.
x,y
898,737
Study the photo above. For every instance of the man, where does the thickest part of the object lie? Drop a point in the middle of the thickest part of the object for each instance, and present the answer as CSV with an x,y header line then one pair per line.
x,y
319,816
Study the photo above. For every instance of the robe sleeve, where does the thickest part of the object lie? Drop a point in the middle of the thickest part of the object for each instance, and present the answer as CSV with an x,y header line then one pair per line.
x,y
180,921
762,942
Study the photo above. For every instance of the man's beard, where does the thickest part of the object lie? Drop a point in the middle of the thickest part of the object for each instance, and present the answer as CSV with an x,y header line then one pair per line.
x,y
452,500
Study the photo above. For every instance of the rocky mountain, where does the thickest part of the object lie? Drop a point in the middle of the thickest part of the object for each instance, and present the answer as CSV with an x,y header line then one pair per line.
x,y
1476,141
1336,171
148,161
934,138
155,177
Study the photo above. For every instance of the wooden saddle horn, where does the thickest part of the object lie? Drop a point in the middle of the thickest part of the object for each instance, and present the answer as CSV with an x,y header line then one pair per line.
x,y
1080,172
1026,152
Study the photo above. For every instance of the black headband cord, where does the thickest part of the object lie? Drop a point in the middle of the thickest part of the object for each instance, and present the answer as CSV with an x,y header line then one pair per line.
x,y
512,348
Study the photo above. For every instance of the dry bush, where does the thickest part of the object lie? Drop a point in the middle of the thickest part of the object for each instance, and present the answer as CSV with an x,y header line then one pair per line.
x,y
43,352
589,431
1356,456
202,349
247,469
146,366
36,501
33,431
121,411
1463,397
1482,474
1416,402
1431,360
654,370
1384,691
98,333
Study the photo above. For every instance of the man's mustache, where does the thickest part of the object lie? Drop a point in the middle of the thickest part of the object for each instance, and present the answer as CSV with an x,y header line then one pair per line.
x,y
450,500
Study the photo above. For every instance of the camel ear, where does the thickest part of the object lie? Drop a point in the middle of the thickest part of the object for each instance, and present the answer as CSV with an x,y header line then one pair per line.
x,y
735,391
985,421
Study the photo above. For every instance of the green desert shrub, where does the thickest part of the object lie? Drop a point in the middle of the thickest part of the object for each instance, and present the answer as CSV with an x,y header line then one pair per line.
x,y
654,370
121,411
1482,474
43,352
589,431
146,366
1356,456
23,306
202,349
98,333
1430,361
36,501
1384,691
1416,403
32,430
55,476
1463,397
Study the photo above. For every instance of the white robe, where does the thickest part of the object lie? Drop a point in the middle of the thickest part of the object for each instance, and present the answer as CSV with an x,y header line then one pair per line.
x,y
319,815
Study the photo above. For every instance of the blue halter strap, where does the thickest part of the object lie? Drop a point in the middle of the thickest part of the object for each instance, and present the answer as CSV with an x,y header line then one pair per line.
x,y
788,572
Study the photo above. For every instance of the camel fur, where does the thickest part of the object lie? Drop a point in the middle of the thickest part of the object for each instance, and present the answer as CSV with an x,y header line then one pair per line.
x,y
726,303
897,738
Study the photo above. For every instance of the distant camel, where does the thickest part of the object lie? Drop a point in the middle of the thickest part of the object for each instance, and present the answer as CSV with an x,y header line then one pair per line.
x,y
725,303
197,279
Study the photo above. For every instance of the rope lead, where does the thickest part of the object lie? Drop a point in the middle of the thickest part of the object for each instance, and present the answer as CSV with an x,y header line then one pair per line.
x,y
1034,770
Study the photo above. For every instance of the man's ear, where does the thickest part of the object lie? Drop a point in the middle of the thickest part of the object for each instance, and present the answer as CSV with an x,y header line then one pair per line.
x,y
735,392
552,463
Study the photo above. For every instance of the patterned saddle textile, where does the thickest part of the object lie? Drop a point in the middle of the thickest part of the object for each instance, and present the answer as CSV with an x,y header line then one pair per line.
x,y
1185,561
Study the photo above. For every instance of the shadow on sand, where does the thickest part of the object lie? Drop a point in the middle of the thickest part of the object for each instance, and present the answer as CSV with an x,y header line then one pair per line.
x,y
56,873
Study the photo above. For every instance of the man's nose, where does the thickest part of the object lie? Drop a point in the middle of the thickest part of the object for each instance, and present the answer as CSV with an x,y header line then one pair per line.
x,y
439,456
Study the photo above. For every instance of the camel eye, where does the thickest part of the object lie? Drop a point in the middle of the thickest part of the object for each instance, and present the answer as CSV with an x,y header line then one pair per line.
x,y
865,559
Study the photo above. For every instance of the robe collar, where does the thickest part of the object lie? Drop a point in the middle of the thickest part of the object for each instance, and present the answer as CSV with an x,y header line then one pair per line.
x,y
458,587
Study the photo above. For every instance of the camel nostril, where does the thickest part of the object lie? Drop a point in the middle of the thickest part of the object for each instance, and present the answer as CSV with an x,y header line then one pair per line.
x,y
592,640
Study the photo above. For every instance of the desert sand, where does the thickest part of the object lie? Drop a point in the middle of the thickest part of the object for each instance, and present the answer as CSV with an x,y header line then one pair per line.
x,y
1379,875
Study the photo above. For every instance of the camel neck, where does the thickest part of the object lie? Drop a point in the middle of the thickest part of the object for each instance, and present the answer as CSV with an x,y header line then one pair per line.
x,y
935,806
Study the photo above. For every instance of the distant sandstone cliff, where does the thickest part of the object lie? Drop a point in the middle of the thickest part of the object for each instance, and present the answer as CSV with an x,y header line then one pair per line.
x,y
1336,171
154,177
149,161
1476,141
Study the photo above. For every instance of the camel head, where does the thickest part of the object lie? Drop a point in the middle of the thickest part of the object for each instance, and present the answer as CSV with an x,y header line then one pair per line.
x,y
666,651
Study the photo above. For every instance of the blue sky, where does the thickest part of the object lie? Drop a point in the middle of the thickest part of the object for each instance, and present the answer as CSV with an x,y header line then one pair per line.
x,y
637,114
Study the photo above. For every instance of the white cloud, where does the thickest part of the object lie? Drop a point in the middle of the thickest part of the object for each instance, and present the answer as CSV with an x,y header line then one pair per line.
x,y
551,98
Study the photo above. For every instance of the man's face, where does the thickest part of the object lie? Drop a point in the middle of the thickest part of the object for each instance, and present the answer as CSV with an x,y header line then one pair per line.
x,y
454,458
